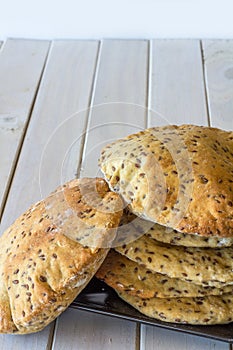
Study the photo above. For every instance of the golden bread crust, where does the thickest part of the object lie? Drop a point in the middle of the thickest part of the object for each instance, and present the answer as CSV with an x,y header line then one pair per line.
x,y
126,275
177,176
202,266
208,310
43,265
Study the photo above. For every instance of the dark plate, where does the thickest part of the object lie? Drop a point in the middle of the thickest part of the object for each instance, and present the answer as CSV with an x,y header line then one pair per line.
x,y
98,297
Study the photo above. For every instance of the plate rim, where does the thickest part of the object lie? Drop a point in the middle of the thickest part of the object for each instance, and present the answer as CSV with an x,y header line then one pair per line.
x,y
140,318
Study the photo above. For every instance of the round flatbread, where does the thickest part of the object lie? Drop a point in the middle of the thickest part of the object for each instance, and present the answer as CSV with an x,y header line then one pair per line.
x,y
176,176
207,310
174,237
123,274
132,227
203,266
41,269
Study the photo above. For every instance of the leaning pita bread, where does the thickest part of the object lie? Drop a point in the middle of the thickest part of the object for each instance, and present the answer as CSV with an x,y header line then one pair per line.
x,y
123,274
177,176
207,310
42,270
202,266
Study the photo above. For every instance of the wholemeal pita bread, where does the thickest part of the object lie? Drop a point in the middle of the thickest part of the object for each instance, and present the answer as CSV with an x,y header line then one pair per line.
x,y
42,270
207,310
171,236
177,176
132,227
202,266
123,274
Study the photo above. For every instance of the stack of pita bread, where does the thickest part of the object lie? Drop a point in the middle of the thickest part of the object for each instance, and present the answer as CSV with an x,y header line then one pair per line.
x,y
174,260
173,251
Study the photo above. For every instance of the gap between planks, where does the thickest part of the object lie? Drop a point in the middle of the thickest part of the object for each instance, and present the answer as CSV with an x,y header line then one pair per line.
x,y
90,104
54,329
22,97
24,132
204,80
218,63
73,60
105,75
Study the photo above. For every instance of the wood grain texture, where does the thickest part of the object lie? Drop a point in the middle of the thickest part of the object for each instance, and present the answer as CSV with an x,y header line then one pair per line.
x,y
177,93
87,331
119,98
65,90
37,341
161,339
218,62
21,66
177,87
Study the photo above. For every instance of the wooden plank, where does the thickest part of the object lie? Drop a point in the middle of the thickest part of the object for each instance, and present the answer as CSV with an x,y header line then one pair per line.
x,y
37,341
161,339
122,79
21,66
177,91
65,89
176,83
87,331
119,99
218,61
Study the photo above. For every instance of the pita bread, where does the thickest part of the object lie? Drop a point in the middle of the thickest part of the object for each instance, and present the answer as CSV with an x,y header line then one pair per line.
x,y
177,176
123,274
207,310
202,266
42,270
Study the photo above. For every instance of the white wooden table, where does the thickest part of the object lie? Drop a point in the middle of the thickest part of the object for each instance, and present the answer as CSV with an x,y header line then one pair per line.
x,y
60,102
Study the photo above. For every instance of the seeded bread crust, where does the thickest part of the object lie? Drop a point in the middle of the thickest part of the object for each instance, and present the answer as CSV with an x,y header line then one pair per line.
x,y
43,270
123,274
177,176
170,236
207,310
132,227
202,266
